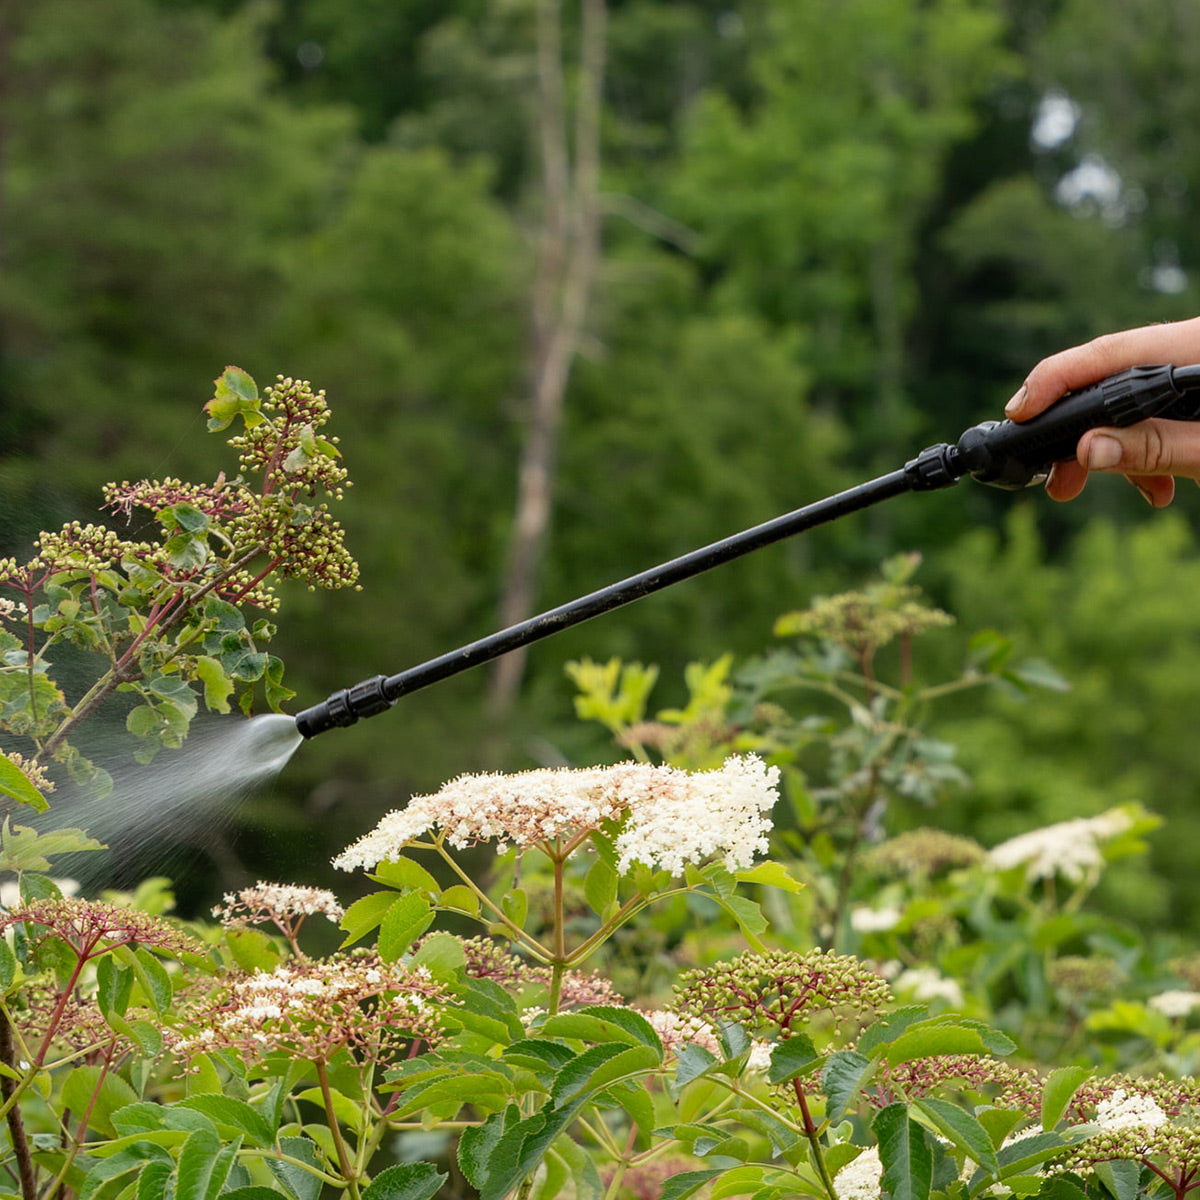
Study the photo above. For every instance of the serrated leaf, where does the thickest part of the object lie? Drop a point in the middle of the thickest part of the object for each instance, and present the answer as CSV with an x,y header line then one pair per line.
x,y
364,915
604,1023
959,1127
407,918
300,1184
845,1074
1060,1086
688,1183
790,1057
907,1161
203,1165
405,874
227,1110
236,395
890,1027
938,1038
411,1181
252,949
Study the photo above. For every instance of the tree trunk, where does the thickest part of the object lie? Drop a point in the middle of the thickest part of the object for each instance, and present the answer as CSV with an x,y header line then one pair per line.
x,y
569,254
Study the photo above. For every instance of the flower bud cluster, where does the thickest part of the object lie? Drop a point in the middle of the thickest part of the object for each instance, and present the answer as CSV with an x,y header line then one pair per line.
x,y
486,959
217,501
863,622
1015,1086
32,770
90,548
782,989
91,926
922,853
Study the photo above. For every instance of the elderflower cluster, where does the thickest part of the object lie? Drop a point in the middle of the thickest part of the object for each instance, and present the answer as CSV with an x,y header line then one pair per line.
x,y
675,1030
670,817
313,1009
1069,848
278,902
861,1178
1174,1002
1129,1110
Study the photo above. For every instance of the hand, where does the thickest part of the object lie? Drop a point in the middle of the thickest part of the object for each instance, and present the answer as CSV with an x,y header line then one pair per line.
x,y
1148,454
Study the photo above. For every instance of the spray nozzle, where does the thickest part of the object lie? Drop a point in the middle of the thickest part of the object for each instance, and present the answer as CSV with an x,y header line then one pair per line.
x,y
1001,453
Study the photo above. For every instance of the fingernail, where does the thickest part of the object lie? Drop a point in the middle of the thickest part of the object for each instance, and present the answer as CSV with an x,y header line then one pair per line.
x,y
1104,452
1147,495
1015,405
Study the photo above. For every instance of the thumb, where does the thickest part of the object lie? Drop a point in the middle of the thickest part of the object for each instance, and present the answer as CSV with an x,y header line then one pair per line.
x,y
1153,447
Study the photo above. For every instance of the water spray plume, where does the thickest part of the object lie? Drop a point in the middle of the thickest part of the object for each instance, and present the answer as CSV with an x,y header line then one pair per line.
x,y
999,453
197,789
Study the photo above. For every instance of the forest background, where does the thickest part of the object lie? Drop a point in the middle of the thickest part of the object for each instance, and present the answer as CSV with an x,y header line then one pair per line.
x,y
627,276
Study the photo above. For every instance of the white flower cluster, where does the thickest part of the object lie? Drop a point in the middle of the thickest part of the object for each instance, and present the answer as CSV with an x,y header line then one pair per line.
x,y
278,900
1129,1110
861,1178
1069,848
1174,1002
671,817
926,983
875,920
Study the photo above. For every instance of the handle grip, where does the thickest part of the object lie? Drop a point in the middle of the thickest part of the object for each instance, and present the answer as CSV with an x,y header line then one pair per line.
x,y
1010,455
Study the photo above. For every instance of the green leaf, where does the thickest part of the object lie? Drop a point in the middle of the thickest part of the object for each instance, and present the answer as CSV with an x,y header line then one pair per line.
x,y
599,1066
8,965
1057,1091
252,949
749,917
364,915
237,1114
959,1127
405,875
152,1182
460,898
890,1027
688,1183
790,1057
204,1165
907,1161
604,1023
253,1192
407,918
515,904
600,886
111,1094
16,785
24,850
217,685
114,984
236,395
771,874
412,1181
936,1038
301,1184
442,955
844,1076
691,1062
1122,1179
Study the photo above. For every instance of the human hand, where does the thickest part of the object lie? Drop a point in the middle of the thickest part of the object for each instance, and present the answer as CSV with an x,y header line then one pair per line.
x,y
1148,454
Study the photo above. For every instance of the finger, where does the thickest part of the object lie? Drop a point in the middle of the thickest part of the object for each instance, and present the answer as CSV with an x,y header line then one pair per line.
x,y
1157,490
1176,342
1154,447
1066,480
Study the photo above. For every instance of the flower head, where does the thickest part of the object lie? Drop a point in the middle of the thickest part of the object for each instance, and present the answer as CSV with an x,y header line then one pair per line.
x,y
313,1009
1070,848
861,1178
284,905
91,927
1174,1002
668,817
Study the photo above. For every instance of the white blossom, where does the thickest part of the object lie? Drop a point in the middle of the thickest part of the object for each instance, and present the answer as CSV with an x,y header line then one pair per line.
x,y
670,817
925,983
875,920
1129,1110
277,901
1068,848
1174,1003
861,1178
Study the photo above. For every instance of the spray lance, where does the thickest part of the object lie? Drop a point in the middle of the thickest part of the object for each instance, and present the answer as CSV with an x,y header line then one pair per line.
x,y
1000,453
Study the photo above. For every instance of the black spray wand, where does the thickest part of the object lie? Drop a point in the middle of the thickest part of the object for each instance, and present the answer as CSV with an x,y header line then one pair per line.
x,y
999,453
